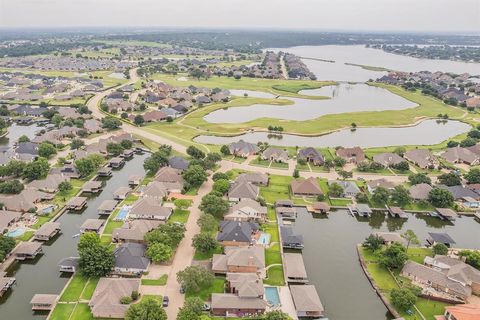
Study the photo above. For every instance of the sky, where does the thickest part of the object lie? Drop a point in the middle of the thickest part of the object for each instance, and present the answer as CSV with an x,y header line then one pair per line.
x,y
349,15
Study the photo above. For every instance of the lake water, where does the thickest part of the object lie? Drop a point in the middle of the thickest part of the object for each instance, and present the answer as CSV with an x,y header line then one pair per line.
x,y
427,132
15,131
332,263
41,275
358,54
343,98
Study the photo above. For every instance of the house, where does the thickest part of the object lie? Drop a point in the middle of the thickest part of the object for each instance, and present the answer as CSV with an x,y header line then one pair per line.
x,y
92,225
389,237
459,192
372,185
178,163
49,184
423,158
246,210
311,155
47,231
92,126
92,186
388,159
134,231
105,301
306,301
150,209
130,259
242,190
256,178
240,260
434,238
27,250
350,188
44,302
121,193
76,203
420,191
67,170
291,240
461,312
275,154
243,149
470,202
446,213
306,187
294,268
156,189
27,148
170,175
107,207
461,155
351,155
237,233
320,207
68,265
8,219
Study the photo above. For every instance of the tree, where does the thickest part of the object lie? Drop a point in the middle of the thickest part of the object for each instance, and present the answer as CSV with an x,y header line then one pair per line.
x,y
213,157
204,242
373,242
440,198
345,174
450,179
276,315
159,252
111,123
440,248
225,150
23,139
195,153
85,166
221,186
195,175
126,144
410,237
156,161
207,222
36,170
381,195
11,187
148,308
339,162
191,310
182,204
170,234
65,186
394,257
6,246
220,175
468,142
138,120
214,205
194,278
402,166
335,190
473,176
57,120
400,151
471,257
76,144
296,173
115,149
417,178
401,196
403,298
96,259
46,150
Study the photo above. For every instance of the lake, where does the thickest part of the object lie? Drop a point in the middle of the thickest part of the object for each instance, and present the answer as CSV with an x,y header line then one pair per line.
x,y
332,263
427,132
343,98
15,131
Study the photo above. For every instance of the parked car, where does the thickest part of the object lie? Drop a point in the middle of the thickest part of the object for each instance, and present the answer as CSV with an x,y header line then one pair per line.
x,y
182,290
165,301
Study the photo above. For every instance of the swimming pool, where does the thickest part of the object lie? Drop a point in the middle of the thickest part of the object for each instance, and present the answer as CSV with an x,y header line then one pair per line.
x,y
16,233
264,239
272,296
123,213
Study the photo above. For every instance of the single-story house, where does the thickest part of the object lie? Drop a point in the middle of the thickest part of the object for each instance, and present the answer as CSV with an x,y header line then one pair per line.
x,y
306,187
243,149
388,159
311,155
130,259
134,231
274,154
352,155
423,158
242,190
350,188
149,208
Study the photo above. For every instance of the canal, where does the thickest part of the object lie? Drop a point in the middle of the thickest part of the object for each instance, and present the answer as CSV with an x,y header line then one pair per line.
x,y
332,263
41,275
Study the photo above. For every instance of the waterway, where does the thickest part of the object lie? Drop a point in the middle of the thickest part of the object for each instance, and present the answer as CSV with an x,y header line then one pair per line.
x,y
15,131
343,98
332,263
427,132
41,275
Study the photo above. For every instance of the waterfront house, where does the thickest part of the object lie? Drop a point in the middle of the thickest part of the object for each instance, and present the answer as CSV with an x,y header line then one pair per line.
x,y
92,186
389,238
130,259
27,250
47,231
242,190
178,163
461,155
68,170
105,301
306,300
434,238
170,175
243,149
388,159
76,203
420,191
256,178
156,189
8,219
5,283
446,213
107,207
121,193
116,162
240,259
291,240
92,225
459,192
470,202
350,188
311,155
274,154
150,209
246,210
305,187
372,185
49,184
294,268
351,155
423,158
320,207
44,302
236,233
68,265
135,179
461,312
134,231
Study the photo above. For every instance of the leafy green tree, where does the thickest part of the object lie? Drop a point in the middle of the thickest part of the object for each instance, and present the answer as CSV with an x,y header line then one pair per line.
x,y
182,204
381,195
148,308
401,196
23,139
6,246
410,237
65,186
394,256
195,176
440,198
96,259
339,162
85,166
159,252
126,144
403,298
276,315
417,178
335,190
221,186
471,257
400,151
440,248
170,234
207,223
138,120
450,179
13,168
57,120
191,310
46,150
473,176
76,144
402,166
115,149
373,242
225,150
111,123
195,153
37,169
214,205
204,242
220,175
157,160
194,278
11,187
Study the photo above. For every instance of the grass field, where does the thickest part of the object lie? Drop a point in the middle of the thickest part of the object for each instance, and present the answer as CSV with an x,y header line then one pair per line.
x,y
205,293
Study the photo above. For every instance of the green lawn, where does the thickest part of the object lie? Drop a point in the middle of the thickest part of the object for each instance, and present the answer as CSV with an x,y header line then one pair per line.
x,y
89,289
275,276
25,236
111,224
207,255
156,282
74,290
82,312
273,255
218,286
179,216
62,311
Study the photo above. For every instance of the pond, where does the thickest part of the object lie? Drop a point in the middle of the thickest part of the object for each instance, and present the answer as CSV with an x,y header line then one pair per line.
x,y
427,132
117,75
359,54
332,263
343,98
42,275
